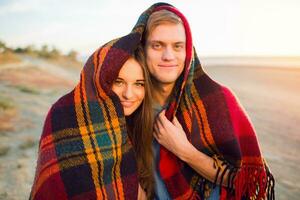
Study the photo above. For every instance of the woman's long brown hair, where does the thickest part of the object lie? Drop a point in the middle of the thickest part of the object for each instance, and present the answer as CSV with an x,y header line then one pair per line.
x,y
140,130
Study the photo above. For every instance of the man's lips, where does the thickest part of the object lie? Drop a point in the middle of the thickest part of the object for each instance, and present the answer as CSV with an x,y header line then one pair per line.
x,y
167,65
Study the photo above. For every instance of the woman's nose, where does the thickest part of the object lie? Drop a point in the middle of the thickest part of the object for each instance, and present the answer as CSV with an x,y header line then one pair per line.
x,y
128,92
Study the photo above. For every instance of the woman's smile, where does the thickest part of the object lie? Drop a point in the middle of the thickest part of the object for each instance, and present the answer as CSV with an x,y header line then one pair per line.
x,y
127,104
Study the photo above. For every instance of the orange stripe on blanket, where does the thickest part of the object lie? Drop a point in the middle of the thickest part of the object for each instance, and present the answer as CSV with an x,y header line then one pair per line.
x,y
97,63
46,141
187,119
97,154
49,160
120,188
116,150
203,115
45,174
117,154
186,114
86,140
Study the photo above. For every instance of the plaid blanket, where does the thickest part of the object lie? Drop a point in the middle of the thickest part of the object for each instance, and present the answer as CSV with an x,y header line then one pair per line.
x,y
84,150
85,153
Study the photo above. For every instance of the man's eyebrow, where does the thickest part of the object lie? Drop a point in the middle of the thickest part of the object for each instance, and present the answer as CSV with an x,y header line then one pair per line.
x,y
180,42
155,41
161,42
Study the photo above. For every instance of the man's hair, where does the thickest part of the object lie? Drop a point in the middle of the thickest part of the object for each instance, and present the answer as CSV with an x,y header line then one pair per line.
x,y
161,17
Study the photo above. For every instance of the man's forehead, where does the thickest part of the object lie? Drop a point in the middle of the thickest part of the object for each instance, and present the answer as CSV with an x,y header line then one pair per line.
x,y
168,32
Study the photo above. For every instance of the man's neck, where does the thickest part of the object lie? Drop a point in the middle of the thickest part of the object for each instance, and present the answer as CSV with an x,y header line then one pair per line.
x,y
162,92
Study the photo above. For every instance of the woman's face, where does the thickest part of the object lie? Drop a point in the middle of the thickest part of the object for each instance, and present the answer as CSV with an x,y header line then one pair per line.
x,y
129,86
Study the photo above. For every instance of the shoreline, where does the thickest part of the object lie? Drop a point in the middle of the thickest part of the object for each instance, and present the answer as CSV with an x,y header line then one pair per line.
x,y
249,61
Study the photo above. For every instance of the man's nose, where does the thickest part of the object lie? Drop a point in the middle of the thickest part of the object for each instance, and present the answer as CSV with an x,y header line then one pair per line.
x,y
168,54
127,92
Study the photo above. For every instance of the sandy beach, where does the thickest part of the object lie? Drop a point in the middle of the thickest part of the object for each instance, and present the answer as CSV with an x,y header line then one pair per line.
x,y
270,95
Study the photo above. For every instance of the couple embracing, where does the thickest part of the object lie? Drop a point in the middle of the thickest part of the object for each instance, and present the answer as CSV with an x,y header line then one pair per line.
x,y
145,121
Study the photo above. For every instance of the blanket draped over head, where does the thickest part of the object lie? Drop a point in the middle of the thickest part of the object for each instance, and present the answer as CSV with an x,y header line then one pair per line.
x,y
85,152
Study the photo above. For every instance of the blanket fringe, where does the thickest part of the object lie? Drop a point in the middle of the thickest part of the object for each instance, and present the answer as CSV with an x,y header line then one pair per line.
x,y
254,182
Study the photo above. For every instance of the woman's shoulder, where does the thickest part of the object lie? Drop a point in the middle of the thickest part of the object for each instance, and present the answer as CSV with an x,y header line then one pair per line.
x,y
63,101
61,115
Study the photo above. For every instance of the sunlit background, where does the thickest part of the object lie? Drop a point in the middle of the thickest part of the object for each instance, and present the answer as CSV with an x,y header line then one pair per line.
x,y
220,28
252,46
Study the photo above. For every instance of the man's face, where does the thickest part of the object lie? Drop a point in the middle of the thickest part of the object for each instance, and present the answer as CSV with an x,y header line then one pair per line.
x,y
165,52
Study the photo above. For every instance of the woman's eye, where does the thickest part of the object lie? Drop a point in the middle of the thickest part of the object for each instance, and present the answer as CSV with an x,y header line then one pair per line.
x,y
140,84
118,83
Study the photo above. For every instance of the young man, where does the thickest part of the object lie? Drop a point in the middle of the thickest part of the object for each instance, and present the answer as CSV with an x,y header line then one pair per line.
x,y
166,50
210,137
166,53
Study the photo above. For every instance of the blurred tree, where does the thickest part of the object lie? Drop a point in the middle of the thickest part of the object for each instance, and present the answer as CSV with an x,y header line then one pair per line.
x,y
2,44
54,53
2,47
30,49
44,52
19,50
44,49
73,55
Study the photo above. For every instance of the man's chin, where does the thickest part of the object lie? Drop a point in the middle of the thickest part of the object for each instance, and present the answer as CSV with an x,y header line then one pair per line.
x,y
164,79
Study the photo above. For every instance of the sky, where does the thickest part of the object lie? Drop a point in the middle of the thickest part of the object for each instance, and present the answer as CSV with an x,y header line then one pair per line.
x,y
219,27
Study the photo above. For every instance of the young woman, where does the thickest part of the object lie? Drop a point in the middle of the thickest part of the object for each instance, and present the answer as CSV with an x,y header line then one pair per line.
x,y
96,141
133,89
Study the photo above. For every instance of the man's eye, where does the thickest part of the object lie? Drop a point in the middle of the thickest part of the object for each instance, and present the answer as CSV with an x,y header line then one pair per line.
x,y
156,46
178,47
